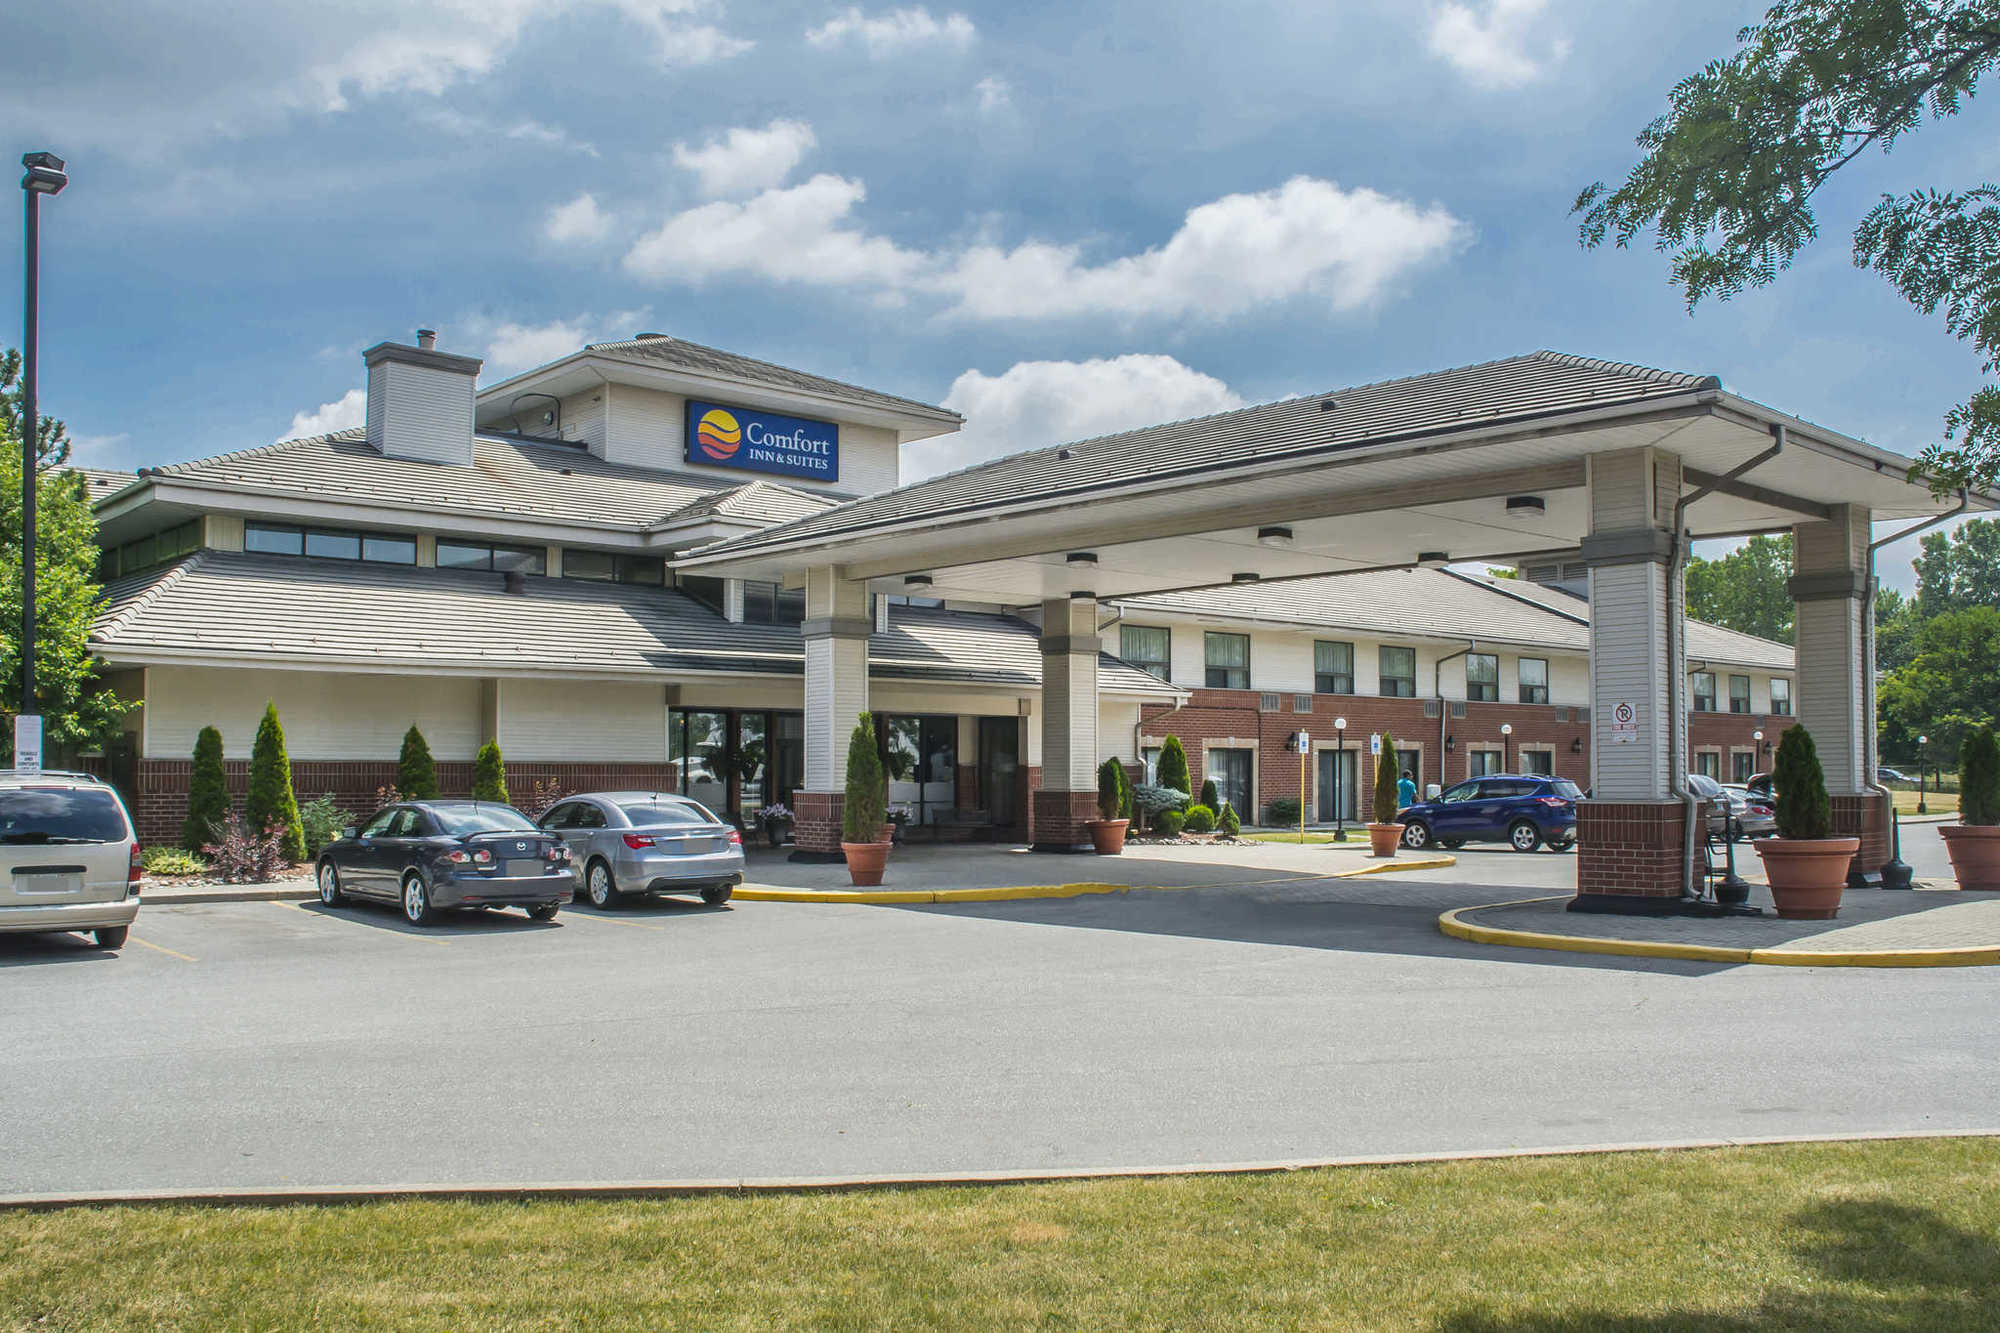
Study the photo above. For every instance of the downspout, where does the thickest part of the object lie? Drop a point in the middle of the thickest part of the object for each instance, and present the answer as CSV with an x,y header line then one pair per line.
x,y
1444,713
1676,669
1871,759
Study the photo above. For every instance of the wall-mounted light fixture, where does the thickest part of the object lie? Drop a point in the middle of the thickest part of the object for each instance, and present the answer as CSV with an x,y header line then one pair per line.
x,y
1576,745
1277,538
1244,577
1450,743
914,581
1075,558
1526,506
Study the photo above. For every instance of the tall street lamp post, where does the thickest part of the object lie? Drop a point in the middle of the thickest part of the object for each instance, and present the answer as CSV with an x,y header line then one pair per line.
x,y
1339,789
1506,747
44,176
1922,743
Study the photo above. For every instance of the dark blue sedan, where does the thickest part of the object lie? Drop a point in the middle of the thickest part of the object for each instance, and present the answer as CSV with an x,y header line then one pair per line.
x,y
430,855
1523,810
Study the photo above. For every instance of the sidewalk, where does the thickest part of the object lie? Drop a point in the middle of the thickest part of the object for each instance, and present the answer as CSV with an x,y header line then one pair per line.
x,y
1936,925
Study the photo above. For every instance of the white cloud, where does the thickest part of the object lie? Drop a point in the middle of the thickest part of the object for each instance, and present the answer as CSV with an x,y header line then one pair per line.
x,y
995,94
1496,43
789,235
578,221
1039,403
1307,237
679,41
510,347
344,413
894,32
744,161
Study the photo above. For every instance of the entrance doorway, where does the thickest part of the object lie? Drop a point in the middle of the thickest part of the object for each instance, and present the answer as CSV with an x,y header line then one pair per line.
x,y
999,768
1231,771
921,754
1337,788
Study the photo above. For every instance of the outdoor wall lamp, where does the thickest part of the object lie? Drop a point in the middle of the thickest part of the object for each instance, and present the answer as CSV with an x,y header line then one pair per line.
x,y
917,581
1277,538
1576,745
1450,743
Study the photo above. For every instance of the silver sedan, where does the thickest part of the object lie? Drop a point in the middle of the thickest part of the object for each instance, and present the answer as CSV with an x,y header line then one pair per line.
x,y
629,843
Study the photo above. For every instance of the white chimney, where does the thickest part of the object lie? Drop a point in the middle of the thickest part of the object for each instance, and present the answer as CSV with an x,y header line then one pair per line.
x,y
420,400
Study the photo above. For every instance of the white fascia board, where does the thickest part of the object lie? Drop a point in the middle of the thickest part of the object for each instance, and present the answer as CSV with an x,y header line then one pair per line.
x,y
270,502
114,657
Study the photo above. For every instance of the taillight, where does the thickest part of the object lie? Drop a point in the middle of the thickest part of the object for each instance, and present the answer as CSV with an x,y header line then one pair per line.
x,y
481,855
456,857
1760,809
1559,802
137,866
637,840
735,837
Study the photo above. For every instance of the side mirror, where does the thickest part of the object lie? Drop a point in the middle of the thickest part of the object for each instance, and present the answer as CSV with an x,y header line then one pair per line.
x,y
348,833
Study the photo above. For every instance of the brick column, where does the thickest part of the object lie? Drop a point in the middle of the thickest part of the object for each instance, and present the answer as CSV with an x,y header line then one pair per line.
x,y
836,632
1630,835
1836,700
1068,794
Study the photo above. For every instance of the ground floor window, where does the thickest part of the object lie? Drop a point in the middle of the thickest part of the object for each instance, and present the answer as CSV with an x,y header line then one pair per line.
x,y
1742,765
1708,763
1231,772
1338,786
734,761
1538,761
1478,763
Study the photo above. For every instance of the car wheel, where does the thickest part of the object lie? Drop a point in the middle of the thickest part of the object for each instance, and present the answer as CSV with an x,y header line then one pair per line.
x,y
544,911
111,937
600,888
417,909
1416,835
329,885
1523,836
715,895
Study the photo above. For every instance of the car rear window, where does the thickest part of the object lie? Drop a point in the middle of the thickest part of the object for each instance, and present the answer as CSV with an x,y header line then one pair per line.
x,y
1568,790
458,820
652,814
37,815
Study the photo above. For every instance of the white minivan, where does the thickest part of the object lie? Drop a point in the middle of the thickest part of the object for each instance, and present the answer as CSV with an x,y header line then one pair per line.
x,y
68,857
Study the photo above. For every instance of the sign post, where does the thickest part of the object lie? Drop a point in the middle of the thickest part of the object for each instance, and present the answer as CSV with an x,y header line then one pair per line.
x,y
28,743
1304,742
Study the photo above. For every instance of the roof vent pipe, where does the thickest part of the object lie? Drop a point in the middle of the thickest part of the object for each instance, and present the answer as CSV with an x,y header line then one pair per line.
x,y
427,340
515,584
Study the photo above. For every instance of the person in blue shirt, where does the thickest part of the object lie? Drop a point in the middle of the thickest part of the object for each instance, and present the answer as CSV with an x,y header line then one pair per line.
x,y
1406,791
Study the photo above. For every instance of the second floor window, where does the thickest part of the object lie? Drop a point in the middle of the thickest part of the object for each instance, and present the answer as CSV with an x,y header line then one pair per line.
x,y
492,555
1704,691
388,548
606,567
1333,667
768,604
1399,673
1148,647
1534,672
1228,661
1482,677
1739,694
1781,696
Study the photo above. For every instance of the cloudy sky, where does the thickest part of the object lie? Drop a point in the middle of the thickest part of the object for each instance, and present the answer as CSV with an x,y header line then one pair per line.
x,y
1058,219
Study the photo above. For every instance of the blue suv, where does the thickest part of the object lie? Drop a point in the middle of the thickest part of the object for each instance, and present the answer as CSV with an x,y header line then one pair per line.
x,y
1523,810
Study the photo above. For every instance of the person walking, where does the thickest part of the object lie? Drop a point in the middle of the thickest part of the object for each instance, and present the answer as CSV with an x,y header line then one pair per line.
x,y
1406,790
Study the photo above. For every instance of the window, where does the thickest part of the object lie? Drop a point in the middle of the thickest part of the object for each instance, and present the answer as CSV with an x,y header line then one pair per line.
x,y
38,816
1333,667
1742,765
492,555
769,604
1708,763
1704,691
1302,703
1399,673
158,549
1739,694
1781,696
1149,759
608,567
1538,761
1148,647
1534,672
707,591
1478,763
1228,661
1270,703
1482,677
386,548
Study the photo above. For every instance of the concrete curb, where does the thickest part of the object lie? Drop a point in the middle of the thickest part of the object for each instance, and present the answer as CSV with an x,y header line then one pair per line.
x,y
1009,893
271,1196
269,893
1452,924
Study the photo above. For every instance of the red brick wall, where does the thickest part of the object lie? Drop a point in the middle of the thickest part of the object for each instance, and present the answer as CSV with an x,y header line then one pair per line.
x,y
816,820
1866,818
1059,817
1734,731
1631,849
160,803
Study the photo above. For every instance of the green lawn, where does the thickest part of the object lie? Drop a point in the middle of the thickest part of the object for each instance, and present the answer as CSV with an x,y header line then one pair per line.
x,y
1936,802
1311,836
1840,1236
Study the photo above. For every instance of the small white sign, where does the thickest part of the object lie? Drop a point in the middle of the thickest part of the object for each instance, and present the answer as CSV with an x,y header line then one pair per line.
x,y
28,743
1624,724
1375,745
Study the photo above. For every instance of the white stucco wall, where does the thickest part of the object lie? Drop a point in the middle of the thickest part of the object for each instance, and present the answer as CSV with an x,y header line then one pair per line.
x,y
595,720
326,716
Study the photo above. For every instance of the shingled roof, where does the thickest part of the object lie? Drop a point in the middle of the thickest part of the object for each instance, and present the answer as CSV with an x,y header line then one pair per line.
x,y
1516,389
303,611
680,354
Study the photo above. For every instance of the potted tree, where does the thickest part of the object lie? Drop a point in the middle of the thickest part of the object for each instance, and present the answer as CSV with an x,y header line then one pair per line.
x,y
1974,841
863,814
1107,831
1806,867
1384,833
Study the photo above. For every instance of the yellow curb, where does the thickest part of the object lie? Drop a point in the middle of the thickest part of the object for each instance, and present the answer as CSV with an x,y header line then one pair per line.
x,y
1450,923
1008,893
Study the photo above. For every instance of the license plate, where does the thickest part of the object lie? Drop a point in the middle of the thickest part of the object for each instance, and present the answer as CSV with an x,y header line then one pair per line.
x,y
51,882
698,846
516,869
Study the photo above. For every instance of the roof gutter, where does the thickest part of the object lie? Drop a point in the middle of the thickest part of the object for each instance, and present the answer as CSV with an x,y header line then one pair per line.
x,y
1444,713
1676,615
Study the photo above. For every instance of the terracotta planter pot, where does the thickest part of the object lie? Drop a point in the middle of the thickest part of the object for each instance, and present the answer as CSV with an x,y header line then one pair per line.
x,y
1807,874
1107,835
1975,854
1383,839
865,861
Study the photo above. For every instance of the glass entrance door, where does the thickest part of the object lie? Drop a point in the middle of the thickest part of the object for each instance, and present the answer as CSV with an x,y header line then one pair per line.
x,y
1337,769
1231,772
698,748
999,767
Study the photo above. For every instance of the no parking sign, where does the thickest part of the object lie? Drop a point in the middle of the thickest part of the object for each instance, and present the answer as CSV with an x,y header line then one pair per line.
x,y
1624,723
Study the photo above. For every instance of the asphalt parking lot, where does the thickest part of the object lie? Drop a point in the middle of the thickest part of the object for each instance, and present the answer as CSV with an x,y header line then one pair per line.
x,y
282,1043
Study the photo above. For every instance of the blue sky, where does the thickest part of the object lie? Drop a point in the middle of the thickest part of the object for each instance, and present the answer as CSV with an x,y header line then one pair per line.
x,y
1060,219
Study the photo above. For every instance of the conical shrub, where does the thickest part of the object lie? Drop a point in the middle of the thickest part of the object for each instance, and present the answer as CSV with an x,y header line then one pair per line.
x,y
416,771
1386,776
866,806
489,774
208,794
1803,809
271,802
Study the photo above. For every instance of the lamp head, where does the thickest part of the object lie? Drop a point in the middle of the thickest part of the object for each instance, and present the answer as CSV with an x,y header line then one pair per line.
x,y
45,174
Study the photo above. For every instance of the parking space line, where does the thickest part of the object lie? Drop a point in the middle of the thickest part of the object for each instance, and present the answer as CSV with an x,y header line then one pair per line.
x,y
159,948
607,920
333,916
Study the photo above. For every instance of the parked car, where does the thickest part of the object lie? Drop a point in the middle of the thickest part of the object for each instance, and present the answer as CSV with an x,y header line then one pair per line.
x,y
435,855
1885,775
626,843
1754,815
69,859
1523,810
